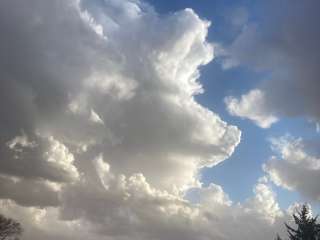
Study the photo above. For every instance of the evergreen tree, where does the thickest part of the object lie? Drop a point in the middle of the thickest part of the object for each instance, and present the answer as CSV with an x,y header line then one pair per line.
x,y
307,227
9,228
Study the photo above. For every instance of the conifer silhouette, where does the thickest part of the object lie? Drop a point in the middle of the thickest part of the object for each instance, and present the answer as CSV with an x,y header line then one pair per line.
x,y
306,228
9,228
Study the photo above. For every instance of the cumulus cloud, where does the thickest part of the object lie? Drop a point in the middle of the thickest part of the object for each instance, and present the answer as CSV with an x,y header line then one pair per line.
x,y
128,95
296,166
264,201
251,106
42,158
283,43
122,207
101,129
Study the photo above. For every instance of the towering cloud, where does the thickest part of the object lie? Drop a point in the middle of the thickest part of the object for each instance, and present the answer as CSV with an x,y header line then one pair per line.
x,y
101,135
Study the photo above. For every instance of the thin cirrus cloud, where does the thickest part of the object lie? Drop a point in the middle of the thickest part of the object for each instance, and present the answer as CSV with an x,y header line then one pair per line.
x,y
101,129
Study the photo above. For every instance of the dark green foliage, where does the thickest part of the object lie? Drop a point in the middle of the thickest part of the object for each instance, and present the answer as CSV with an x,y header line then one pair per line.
x,y
9,228
306,228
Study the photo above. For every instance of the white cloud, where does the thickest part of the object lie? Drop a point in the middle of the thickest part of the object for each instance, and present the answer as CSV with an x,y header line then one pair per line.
x,y
252,106
123,207
60,156
265,201
128,206
213,195
294,167
42,157
113,136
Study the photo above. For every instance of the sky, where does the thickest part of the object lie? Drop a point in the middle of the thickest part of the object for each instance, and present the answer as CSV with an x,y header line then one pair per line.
x,y
229,19
158,120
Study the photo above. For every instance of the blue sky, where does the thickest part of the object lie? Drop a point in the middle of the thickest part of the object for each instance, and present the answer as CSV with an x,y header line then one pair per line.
x,y
240,172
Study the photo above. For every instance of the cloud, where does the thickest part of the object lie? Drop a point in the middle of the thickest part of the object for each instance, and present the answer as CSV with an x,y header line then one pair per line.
x,y
265,201
284,45
295,167
251,106
42,158
128,206
29,192
139,81
101,130
101,134
128,94
123,207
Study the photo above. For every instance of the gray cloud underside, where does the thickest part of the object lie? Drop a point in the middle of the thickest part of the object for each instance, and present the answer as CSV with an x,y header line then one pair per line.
x,y
285,43
295,166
